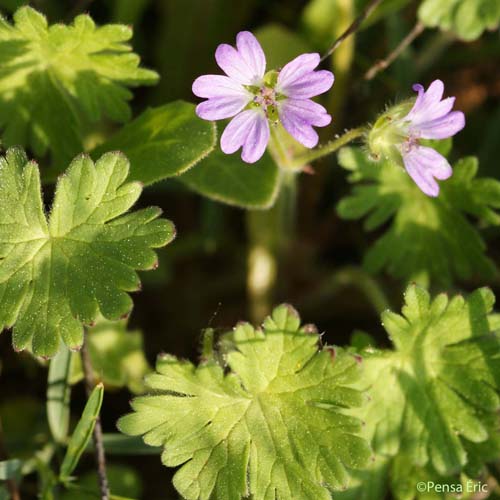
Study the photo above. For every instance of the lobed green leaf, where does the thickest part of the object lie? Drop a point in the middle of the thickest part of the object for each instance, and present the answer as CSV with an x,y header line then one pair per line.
x,y
427,238
467,19
275,426
435,398
58,273
56,79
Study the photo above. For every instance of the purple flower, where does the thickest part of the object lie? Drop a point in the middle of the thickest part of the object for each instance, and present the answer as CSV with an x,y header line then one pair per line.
x,y
258,100
430,118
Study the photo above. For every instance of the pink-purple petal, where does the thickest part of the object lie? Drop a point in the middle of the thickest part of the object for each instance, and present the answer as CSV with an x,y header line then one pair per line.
x,y
426,101
229,60
309,85
249,129
251,52
425,165
298,126
417,87
434,93
441,128
219,108
433,112
296,69
218,86
257,138
236,131
308,110
246,64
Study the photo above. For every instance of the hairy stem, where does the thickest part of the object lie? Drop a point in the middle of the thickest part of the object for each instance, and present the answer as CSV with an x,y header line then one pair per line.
x,y
328,148
11,484
385,63
354,26
97,434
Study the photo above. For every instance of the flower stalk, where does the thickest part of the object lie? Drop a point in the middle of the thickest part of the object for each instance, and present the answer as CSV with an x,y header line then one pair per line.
x,y
328,148
97,434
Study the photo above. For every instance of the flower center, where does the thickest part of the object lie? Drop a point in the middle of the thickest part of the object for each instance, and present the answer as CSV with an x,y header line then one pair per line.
x,y
265,97
409,143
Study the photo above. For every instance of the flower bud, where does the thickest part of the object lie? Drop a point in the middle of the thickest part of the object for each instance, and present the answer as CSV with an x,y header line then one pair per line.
x,y
389,133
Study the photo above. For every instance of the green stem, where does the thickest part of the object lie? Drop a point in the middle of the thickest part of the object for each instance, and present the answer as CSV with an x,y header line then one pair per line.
x,y
270,234
327,148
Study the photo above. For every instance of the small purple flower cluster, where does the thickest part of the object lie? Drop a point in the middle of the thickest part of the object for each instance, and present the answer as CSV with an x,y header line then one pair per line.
x,y
257,101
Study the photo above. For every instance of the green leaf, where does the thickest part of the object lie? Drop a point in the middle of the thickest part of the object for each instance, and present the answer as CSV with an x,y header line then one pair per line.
x,y
428,238
436,394
57,79
226,178
467,19
58,273
273,427
83,432
117,356
163,142
59,394
434,398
